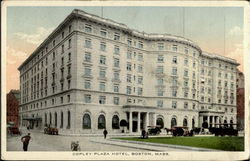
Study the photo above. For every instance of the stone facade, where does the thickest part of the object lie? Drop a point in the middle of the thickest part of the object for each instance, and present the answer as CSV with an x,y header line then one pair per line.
x,y
91,73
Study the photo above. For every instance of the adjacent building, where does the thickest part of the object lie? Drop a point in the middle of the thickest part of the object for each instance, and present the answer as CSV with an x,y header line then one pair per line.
x,y
13,100
90,73
240,100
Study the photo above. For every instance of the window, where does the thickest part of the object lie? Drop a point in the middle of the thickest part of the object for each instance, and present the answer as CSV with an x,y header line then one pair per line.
x,y
88,28
116,62
101,122
103,33
186,73
70,28
69,118
87,57
174,104
62,51
159,103
140,57
140,80
54,43
185,122
129,55
116,76
116,88
68,96
115,122
225,75
174,92
102,86
160,46
117,36
102,59
128,90
129,42
69,57
87,71
61,126
129,78
140,44
174,82
185,83
116,49
55,119
116,100
129,66
186,50
140,68
185,94
86,121
69,43
139,89
159,70
159,92
87,84
69,84
174,71
194,105
61,100
87,98
88,43
160,58
174,48
186,62
185,105
194,64
62,35
102,74
160,81
174,60
103,46
102,99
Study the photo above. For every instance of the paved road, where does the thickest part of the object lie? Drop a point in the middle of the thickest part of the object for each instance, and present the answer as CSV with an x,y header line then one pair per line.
x,y
42,142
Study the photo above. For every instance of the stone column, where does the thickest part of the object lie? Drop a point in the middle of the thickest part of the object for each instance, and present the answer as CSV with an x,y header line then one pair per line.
x,y
154,119
139,122
130,122
147,119
208,120
212,121
200,121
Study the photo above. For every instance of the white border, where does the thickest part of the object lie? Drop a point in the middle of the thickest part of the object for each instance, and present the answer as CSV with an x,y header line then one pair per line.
x,y
171,155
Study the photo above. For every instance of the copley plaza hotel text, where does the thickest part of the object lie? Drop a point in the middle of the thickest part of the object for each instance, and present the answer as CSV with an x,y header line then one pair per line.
x,y
90,73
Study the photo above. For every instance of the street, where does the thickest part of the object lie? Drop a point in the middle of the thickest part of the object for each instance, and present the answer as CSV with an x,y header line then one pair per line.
x,y
44,142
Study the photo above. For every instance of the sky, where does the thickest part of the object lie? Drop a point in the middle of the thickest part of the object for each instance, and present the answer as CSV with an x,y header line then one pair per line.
x,y
27,27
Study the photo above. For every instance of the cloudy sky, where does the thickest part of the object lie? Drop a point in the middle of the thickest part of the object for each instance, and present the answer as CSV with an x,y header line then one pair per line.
x,y
27,27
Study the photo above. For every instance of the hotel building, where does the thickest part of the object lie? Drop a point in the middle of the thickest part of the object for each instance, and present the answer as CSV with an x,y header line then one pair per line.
x,y
90,73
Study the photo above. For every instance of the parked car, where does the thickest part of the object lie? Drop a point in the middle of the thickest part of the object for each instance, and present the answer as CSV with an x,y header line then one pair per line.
x,y
51,130
14,130
181,131
154,130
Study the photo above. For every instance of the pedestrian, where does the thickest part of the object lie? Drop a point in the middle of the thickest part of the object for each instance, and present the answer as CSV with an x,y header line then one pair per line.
x,y
25,140
75,146
143,133
105,132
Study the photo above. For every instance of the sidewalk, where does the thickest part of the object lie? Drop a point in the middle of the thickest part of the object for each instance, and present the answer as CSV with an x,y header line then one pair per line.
x,y
148,146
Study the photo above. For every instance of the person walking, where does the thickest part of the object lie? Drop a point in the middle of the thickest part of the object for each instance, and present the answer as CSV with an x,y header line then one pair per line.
x,y
25,139
143,133
105,132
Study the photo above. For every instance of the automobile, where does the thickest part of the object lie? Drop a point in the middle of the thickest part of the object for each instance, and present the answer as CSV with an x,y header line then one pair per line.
x,y
14,130
223,130
51,130
154,130
181,131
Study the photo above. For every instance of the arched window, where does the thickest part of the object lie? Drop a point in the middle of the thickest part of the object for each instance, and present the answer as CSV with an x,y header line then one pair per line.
x,y
68,127
50,118
101,122
86,121
55,119
185,122
160,122
231,123
193,123
225,123
173,122
115,122
61,120
45,119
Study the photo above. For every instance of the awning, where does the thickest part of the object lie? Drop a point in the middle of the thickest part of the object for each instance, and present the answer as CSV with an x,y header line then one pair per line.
x,y
33,118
